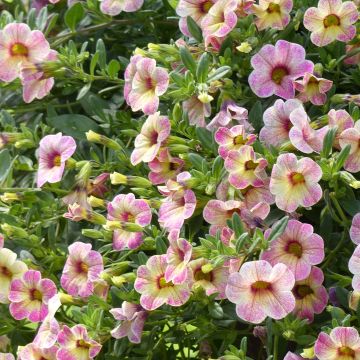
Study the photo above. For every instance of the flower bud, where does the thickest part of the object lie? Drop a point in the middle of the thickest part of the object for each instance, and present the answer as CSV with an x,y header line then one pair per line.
x,y
354,300
244,47
308,353
205,98
96,202
117,179
103,140
24,144
8,197
14,231
9,138
93,234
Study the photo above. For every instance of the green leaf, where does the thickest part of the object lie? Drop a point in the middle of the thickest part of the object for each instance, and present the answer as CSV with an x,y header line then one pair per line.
x,y
74,15
278,228
219,73
202,69
93,62
100,48
196,160
113,68
83,91
194,29
255,116
328,142
215,310
5,164
173,3
187,59
343,155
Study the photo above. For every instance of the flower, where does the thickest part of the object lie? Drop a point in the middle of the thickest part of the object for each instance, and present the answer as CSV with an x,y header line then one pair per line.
x,y
352,60
34,352
75,344
115,7
4,342
132,319
19,44
352,137
154,132
253,196
82,268
7,356
342,119
275,68
354,268
125,208
343,343
291,356
29,296
331,20
155,290
54,150
2,240
260,290
277,122
297,247
295,182
196,111
311,297
244,168
355,229
272,14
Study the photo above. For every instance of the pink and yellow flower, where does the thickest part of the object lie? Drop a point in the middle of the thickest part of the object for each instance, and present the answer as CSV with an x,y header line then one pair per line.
x,y
154,132
125,208
294,182
352,60
29,296
355,229
132,320
275,68
197,111
115,7
342,119
354,268
76,344
18,45
82,268
331,20
254,196
7,356
155,290
260,290
34,352
343,343
352,137
54,150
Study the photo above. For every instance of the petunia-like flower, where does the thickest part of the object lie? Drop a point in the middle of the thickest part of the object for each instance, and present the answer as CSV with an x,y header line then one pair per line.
x,y
244,168
277,122
10,269
146,82
354,267
256,195
7,356
352,60
82,268
260,290
155,290
297,247
125,208
132,319
34,352
343,343
2,241
291,356
272,14
19,44
154,132
311,296
331,20
75,344
232,139
115,7
352,137
29,296
355,229
196,111
342,119
275,68
294,182
54,150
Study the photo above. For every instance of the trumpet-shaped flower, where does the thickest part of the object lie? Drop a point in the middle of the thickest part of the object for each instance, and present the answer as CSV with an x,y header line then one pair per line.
x,y
256,195
125,208
294,182
115,7
354,267
54,150
341,119
260,290
34,352
29,296
331,20
352,137
291,356
275,68
155,290
197,111
355,229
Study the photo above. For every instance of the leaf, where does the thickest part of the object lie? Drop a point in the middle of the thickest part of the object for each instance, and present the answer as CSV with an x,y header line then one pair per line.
x,y
100,47
255,116
219,73
194,29
202,69
187,59
5,164
93,62
74,15
173,3
196,160
113,68
328,142
83,91
340,161
278,228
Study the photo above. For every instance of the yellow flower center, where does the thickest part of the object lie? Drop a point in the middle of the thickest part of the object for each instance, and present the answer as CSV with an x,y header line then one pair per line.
x,y
346,351
239,140
199,275
19,49
82,268
162,283
273,8
5,271
297,178
295,248
251,165
35,295
83,344
261,285
301,291
205,6
278,74
331,20
57,160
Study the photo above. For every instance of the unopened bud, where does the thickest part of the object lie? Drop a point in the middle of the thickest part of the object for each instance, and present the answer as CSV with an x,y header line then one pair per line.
x,y
24,144
10,197
205,98
308,353
14,231
96,202
117,179
93,234
138,181
103,140
244,47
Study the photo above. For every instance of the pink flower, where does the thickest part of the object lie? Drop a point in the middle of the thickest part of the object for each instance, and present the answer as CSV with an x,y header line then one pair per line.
x,y
18,44
82,268
54,150
34,352
354,267
256,195
115,7
355,229
275,68
29,296
297,247
132,319
331,20
7,356
154,132
260,290
291,356
155,290
341,119
125,208
277,122
311,297
353,60
196,111
352,137
343,343
312,89
2,240
244,168
295,182
75,344
145,83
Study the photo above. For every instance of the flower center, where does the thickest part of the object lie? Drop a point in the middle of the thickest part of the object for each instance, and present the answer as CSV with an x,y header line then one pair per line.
x,y
82,268
173,166
83,344
278,74
57,160
5,271
273,8
154,137
150,83
346,351
301,291
205,6
296,178
128,217
35,294
261,285
238,140
251,165
295,248
199,275
162,283
331,20
19,49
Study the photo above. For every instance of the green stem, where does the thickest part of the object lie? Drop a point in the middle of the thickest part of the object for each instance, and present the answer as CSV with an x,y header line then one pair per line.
x,y
335,250
276,345
339,209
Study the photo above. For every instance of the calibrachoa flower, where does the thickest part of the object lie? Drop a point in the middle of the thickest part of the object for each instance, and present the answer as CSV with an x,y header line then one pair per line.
x,y
196,111
354,267
54,150
155,290
253,196
34,352
343,343
353,60
132,319
275,68
82,268
19,44
294,182
342,119
297,247
29,296
292,356
75,344
331,20
7,356
351,137
125,208
115,7
260,290
2,240
355,229
154,132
